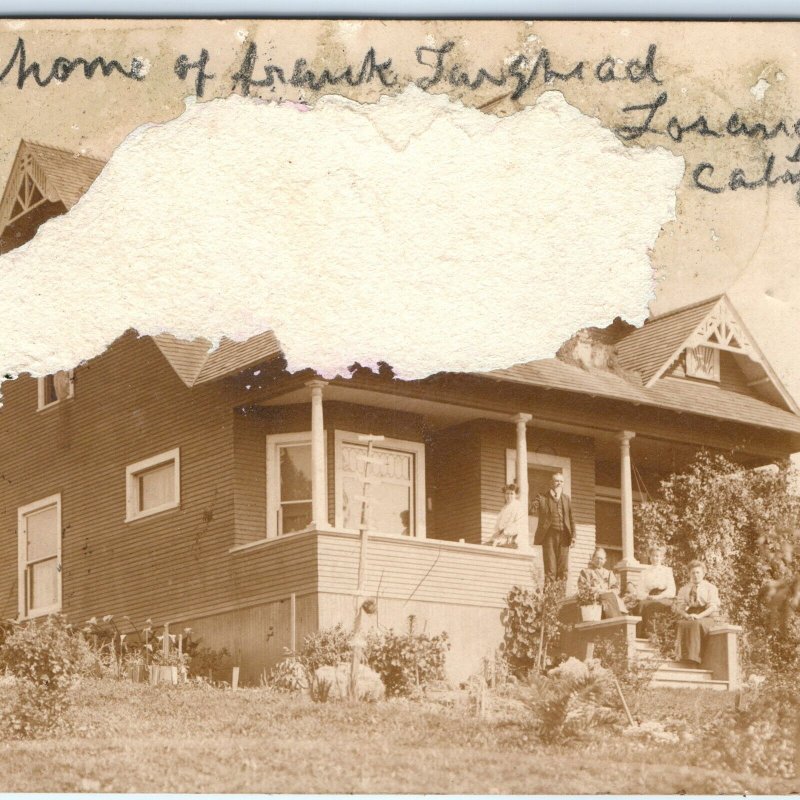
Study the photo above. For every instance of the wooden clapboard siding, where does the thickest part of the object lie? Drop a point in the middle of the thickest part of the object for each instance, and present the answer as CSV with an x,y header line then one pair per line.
x,y
434,571
257,637
454,480
473,633
128,405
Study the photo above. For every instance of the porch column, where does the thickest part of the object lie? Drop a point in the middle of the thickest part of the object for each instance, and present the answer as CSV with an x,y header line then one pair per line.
x,y
522,421
626,497
319,491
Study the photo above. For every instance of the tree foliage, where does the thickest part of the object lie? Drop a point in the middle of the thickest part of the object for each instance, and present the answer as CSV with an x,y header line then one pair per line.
x,y
738,521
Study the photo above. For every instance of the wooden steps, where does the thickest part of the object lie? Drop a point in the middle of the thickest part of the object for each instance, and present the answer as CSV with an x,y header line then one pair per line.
x,y
677,674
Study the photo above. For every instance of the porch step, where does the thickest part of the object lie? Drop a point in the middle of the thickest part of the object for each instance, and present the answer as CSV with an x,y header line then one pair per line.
x,y
715,686
676,674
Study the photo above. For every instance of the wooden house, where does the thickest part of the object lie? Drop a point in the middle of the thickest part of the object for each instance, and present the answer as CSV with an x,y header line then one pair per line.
x,y
213,489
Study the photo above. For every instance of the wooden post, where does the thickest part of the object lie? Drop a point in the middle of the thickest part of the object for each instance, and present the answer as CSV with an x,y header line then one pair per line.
x,y
522,421
319,492
235,679
292,622
358,636
165,642
626,498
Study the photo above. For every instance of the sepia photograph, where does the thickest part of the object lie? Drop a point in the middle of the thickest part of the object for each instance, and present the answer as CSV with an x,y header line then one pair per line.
x,y
399,407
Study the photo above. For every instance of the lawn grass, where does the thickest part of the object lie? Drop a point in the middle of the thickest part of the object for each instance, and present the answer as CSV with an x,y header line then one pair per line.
x,y
128,737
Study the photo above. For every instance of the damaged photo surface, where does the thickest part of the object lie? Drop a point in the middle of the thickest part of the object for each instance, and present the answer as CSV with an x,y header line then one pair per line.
x,y
399,407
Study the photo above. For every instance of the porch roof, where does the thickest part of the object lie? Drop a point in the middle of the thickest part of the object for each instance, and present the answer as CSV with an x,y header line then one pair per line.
x,y
669,393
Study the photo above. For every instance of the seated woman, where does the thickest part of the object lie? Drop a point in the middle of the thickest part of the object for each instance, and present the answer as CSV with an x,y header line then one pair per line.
x,y
656,591
512,521
697,606
603,580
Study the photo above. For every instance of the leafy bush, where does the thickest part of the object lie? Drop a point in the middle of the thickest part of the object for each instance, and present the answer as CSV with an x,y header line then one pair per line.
x,y
736,520
407,662
289,675
573,700
47,656
760,735
206,662
634,675
47,652
531,626
326,648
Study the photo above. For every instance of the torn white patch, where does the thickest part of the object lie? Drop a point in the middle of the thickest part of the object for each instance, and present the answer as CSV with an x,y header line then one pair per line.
x,y
714,236
241,35
759,89
779,76
414,231
142,66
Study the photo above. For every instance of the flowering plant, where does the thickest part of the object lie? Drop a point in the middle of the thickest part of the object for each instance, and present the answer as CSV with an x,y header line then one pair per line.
x,y
587,595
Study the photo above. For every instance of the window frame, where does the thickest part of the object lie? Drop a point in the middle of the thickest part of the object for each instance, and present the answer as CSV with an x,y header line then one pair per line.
x,y
41,405
132,472
274,442
22,561
417,449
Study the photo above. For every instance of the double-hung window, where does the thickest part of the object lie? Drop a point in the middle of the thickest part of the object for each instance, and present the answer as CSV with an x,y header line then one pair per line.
x,y
288,483
39,579
55,388
153,485
384,491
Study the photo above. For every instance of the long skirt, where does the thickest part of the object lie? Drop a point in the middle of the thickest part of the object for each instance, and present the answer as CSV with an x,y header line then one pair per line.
x,y
692,634
647,609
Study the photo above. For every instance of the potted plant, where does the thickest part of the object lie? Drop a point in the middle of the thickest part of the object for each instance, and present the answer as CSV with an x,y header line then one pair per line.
x,y
588,598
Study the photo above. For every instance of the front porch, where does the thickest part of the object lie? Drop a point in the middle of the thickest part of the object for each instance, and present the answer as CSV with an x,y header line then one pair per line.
x,y
293,585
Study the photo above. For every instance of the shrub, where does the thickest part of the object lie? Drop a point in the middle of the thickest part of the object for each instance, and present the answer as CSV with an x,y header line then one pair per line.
x,y
326,648
760,736
407,662
205,662
736,520
575,699
47,656
633,674
47,652
289,675
525,643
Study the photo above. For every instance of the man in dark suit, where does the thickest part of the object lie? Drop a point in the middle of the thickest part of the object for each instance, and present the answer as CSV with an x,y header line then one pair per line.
x,y
556,528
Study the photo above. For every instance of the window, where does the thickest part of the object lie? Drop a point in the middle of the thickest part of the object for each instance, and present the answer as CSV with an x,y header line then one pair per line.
x,y
39,530
56,387
153,485
702,362
608,521
541,468
388,492
288,483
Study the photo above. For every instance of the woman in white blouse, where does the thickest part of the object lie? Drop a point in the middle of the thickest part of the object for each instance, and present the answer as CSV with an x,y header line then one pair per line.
x,y
656,590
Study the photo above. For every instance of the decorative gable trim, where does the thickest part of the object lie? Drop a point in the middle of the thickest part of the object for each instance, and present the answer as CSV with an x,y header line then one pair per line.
x,y
722,329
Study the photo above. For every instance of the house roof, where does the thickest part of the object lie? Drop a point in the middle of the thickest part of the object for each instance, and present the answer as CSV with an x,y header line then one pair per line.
x,y
60,175
195,362
647,349
668,393
652,349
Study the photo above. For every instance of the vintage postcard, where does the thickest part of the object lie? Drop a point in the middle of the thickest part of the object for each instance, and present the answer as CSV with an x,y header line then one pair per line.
x,y
399,407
